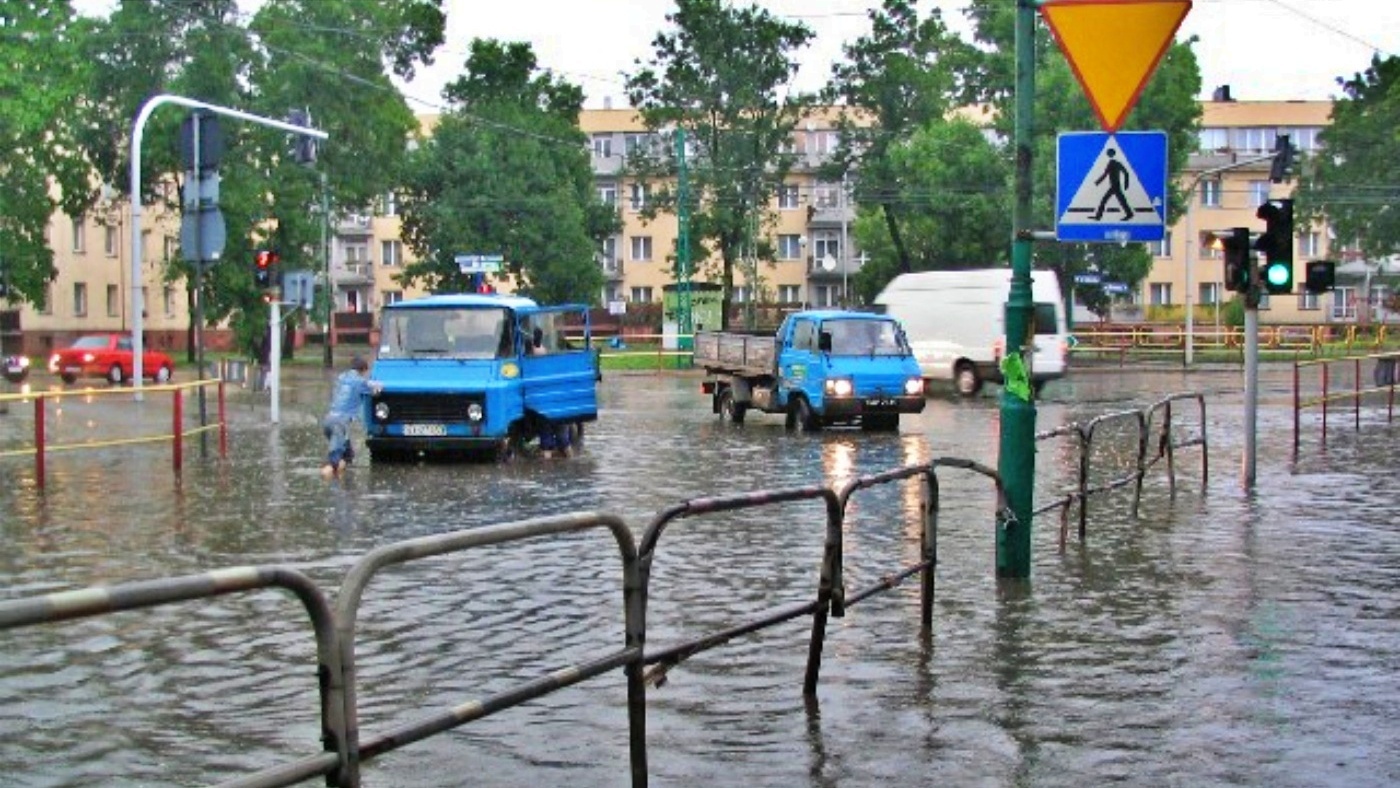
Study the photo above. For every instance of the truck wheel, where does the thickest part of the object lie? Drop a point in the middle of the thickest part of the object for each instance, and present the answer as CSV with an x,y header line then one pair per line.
x,y
966,380
800,417
729,410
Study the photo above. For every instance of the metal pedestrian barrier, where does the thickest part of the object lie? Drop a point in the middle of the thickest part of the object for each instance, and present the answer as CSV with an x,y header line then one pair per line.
x,y
344,748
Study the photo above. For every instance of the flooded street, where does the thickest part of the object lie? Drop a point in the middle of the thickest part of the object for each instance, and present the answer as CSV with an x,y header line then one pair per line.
x,y
1218,639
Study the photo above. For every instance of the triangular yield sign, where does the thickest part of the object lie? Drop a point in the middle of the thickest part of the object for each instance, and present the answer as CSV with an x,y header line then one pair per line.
x,y
1114,46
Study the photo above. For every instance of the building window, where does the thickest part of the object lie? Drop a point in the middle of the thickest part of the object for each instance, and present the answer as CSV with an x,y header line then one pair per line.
x,y
742,294
787,196
824,246
822,141
641,294
1160,294
391,253
826,195
79,235
168,301
392,296
80,299
637,198
390,202
790,294
356,254
1214,139
1162,248
789,247
1252,139
1308,302
602,144
1258,193
638,143
1209,293
826,295
1344,303
1210,193
607,193
114,301
607,253
641,248
109,240
167,247
1310,244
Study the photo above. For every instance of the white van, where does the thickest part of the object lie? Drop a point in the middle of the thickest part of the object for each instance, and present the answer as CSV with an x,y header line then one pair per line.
x,y
956,324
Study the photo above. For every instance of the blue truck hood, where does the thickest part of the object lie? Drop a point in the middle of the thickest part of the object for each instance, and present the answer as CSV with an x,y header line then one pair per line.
x,y
875,375
438,375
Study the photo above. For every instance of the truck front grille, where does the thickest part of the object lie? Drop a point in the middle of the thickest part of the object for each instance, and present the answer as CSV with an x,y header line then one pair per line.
x,y
429,408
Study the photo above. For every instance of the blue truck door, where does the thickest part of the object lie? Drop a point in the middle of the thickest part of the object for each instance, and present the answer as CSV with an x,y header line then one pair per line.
x,y
799,362
559,375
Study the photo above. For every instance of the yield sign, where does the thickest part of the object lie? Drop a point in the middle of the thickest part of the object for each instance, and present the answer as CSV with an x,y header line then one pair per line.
x,y
1114,46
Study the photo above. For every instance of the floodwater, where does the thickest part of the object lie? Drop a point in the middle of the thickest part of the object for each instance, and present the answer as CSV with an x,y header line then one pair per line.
x,y
1220,638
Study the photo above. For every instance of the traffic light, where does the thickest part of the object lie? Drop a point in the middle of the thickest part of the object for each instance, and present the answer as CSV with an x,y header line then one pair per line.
x,y
303,148
1277,245
1322,276
1282,167
1237,260
265,265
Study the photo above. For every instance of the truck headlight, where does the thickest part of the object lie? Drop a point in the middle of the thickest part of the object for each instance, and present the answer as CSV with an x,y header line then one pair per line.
x,y
914,387
381,411
474,412
839,387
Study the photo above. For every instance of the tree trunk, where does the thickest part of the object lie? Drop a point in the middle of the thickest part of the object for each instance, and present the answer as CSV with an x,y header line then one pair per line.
x,y
892,224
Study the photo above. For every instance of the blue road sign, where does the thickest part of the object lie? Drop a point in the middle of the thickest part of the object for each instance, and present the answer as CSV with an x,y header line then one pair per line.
x,y
1111,187
479,263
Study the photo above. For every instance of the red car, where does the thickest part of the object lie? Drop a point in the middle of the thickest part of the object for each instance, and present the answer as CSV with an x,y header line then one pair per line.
x,y
108,356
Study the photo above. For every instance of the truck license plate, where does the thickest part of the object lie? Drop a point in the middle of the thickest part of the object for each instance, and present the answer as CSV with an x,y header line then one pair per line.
x,y
882,403
424,430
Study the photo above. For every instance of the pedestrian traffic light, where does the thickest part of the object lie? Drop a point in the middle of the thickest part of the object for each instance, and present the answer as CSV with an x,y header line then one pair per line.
x,y
1237,260
1277,245
265,265
1321,276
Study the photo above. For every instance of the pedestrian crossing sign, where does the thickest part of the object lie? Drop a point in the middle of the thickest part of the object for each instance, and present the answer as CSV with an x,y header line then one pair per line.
x,y
1111,187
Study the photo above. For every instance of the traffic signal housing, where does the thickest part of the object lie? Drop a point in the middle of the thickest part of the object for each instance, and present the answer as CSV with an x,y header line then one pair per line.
x,y
1238,261
265,268
1277,245
1282,167
1321,276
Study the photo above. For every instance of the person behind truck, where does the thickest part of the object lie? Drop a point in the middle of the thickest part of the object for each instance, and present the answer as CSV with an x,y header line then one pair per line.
x,y
350,387
554,437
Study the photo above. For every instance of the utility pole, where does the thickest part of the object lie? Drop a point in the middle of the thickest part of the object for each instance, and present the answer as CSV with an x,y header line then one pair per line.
x,y
685,326
1016,460
326,271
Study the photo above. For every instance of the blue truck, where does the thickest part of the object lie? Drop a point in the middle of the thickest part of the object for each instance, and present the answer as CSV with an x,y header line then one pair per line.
x,y
823,367
469,374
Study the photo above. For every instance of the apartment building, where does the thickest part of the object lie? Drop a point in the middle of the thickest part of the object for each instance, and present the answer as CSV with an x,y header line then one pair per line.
x,y
816,255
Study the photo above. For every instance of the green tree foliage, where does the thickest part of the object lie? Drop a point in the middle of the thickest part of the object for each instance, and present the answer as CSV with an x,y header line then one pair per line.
x,y
332,57
1356,184
955,208
900,80
719,75
506,171
1167,103
40,41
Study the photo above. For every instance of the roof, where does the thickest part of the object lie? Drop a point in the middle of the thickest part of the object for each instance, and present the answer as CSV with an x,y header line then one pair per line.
x,y
458,300
837,314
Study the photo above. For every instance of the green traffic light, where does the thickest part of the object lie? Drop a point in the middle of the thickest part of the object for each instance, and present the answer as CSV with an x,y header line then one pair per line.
x,y
1278,276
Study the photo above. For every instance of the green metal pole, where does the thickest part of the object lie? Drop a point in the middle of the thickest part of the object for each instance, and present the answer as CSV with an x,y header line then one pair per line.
x,y
1016,462
329,291
683,318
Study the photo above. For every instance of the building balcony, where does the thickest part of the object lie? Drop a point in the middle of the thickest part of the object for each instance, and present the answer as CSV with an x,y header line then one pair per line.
x,y
830,268
607,165
612,269
358,273
353,224
830,215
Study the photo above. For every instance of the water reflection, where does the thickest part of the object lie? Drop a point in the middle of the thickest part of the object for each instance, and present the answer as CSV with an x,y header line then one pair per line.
x,y
1220,638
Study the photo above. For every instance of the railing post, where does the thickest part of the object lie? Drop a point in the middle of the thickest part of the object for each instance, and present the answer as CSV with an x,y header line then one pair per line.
x,y
223,421
1297,406
1356,392
39,440
1326,395
178,417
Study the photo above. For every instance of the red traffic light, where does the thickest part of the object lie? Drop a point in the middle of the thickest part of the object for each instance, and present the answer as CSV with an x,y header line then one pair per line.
x,y
266,258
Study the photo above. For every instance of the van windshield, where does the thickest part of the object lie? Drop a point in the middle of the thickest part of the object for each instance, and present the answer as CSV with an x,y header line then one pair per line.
x,y
865,337
474,333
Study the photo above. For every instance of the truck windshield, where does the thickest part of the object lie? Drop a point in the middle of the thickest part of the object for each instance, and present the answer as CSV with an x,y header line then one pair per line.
x,y
477,333
865,338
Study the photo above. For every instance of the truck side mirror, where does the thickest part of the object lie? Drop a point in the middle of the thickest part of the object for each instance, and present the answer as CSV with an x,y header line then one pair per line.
x,y
824,341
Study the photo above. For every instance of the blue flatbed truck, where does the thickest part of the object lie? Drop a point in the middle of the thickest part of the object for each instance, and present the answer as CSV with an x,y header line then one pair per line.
x,y
821,368
472,374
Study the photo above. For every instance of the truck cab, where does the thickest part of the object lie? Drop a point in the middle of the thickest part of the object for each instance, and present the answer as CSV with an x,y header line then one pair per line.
x,y
478,374
823,367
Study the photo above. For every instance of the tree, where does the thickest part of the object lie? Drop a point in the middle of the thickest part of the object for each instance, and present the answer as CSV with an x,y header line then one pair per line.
x,y
1357,183
897,81
717,76
1168,103
506,171
39,150
953,198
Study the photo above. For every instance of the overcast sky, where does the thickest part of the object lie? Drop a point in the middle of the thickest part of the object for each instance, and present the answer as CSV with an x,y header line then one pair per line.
x,y
1262,49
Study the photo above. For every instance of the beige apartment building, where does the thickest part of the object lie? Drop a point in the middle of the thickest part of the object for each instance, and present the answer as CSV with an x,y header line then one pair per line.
x,y
811,234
